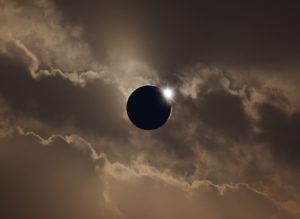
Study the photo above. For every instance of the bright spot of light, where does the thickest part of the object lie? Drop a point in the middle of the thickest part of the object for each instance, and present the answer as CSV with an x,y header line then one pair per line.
x,y
168,93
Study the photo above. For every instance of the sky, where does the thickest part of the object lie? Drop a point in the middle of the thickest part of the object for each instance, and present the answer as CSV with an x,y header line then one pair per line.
x,y
230,150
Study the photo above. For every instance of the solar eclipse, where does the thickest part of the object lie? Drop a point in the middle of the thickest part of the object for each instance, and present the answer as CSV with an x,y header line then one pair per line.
x,y
149,107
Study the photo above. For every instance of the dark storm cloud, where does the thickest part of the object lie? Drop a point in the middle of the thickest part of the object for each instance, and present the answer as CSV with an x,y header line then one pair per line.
x,y
95,108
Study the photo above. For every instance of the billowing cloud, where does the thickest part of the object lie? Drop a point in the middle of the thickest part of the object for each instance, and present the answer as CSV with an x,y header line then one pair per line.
x,y
70,174
59,102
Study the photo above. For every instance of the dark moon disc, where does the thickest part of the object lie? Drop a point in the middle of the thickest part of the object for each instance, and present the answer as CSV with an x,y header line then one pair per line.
x,y
147,108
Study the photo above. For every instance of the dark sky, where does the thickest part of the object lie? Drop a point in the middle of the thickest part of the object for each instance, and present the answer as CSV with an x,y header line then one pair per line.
x,y
231,148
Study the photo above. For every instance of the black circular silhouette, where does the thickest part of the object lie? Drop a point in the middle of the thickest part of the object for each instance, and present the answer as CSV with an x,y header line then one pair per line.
x,y
147,108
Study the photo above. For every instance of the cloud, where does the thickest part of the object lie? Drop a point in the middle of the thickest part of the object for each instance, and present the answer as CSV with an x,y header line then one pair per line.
x,y
162,196
251,34
18,50
45,182
6,119
39,34
57,101
99,188
38,25
231,119
280,132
